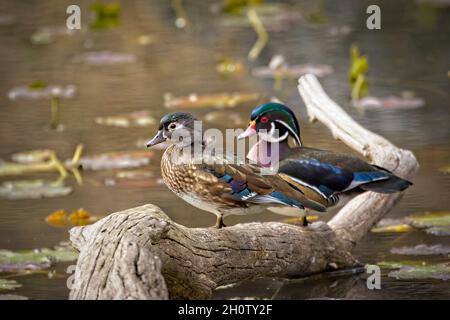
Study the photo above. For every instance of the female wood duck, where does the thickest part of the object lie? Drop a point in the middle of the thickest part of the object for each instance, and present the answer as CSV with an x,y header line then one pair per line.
x,y
219,184
317,173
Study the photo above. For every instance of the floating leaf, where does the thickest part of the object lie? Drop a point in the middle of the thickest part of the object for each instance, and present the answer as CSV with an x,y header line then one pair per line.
x,y
219,100
116,160
400,264
437,271
294,71
105,58
133,119
37,91
57,218
7,284
430,219
33,189
12,297
134,179
24,266
438,231
388,103
399,228
422,249
13,261
106,15
81,217
33,156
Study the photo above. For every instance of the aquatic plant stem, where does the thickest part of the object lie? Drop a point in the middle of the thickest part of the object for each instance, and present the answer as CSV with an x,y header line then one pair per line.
x,y
55,112
263,36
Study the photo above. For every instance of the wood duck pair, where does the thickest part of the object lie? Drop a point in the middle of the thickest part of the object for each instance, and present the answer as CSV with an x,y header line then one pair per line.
x,y
220,184
307,178
323,176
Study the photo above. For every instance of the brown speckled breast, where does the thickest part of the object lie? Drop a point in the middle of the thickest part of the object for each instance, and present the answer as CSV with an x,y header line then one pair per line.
x,y
178,177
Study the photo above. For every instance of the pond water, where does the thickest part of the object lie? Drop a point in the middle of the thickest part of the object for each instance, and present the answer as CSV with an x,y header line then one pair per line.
x,y
410,53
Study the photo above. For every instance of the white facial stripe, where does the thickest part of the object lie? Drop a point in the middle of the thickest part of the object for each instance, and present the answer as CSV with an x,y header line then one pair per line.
x,y
296,137
270,136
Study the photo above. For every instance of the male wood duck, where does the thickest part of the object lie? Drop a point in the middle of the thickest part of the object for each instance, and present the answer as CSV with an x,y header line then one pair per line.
x,y
219,184
317,173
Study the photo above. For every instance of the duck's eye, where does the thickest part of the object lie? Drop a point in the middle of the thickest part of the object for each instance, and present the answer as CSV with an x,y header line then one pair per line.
x,y
264,119
172,126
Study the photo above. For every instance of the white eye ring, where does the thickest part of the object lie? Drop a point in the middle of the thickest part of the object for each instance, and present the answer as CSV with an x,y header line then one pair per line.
x,y
172,126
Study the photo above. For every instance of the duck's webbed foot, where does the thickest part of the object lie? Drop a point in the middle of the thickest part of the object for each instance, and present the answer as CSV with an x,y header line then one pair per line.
x,y
219,222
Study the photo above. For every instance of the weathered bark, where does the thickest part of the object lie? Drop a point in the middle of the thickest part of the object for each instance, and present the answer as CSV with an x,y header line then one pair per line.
x,y
141,253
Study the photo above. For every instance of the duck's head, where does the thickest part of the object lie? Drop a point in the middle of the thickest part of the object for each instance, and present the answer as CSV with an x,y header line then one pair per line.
x,y
179,128
273,122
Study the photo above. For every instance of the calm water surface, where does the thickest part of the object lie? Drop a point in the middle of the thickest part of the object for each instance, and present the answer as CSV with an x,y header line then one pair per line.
x,y
411,53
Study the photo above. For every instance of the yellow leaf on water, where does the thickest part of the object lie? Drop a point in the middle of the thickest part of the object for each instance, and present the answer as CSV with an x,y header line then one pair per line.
x,y
57,218
81,217
398,228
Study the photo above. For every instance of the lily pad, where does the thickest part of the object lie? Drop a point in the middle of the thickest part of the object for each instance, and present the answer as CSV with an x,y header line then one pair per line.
x,y
33,189
400,264
7,284
134,179
422,249
33,156
12,261
105,58
47,92
278,67
24,266
116,160
436,271
430,219
218,100
388,103
12,297
438,231
133,119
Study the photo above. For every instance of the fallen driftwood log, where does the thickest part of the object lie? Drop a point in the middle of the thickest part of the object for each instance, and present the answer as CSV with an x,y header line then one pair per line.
x,y
141,253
